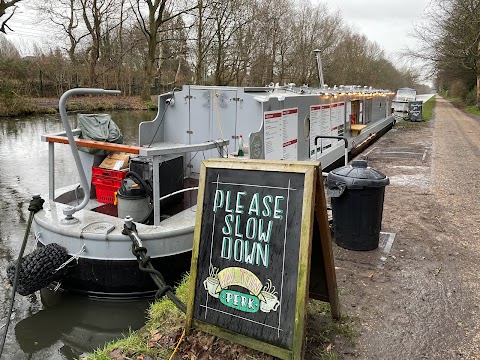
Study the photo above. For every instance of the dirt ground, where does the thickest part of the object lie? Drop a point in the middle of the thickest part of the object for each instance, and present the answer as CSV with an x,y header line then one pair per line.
x,y
417,298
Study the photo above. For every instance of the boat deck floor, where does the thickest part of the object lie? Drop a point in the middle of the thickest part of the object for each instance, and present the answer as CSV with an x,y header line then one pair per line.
x,y
189,199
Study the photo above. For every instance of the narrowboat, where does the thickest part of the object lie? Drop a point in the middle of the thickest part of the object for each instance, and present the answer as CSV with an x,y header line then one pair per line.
x,y
158,188
402,98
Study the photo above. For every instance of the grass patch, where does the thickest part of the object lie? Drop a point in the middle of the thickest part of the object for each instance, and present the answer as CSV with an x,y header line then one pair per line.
x,y
151,105
474,109
16,106
402,123
462,104
323,331
13,105
427,109
165,324
455,100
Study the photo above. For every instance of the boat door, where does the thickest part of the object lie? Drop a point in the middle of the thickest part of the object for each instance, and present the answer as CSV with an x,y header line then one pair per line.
x,y
355,115
213,115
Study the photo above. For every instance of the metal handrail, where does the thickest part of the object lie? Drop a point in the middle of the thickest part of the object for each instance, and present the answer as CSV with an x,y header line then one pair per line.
x,y
332,137
70,210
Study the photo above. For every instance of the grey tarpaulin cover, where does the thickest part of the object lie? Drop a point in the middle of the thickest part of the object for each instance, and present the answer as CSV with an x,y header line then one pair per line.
x,y
99,127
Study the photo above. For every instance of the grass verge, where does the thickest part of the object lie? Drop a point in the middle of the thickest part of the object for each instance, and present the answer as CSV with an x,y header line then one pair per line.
x,y
474,109
156,339
471,109
165,324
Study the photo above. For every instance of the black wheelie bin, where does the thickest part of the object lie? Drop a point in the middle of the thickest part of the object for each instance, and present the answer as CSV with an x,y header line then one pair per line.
x,y
357,194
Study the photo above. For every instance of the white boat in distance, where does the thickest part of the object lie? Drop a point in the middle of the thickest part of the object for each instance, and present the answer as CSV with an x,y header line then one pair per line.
x,y
401,100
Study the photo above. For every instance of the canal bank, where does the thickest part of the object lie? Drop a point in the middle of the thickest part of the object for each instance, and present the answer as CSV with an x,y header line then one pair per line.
x,y
415,296
24,106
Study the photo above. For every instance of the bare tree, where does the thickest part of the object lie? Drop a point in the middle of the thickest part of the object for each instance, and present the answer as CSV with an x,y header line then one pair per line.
x,y
151,15
4,5
99,17
204,28
450,40
7,48
66,15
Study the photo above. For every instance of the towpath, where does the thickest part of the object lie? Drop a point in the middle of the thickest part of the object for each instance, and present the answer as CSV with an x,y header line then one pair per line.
x,y
419,297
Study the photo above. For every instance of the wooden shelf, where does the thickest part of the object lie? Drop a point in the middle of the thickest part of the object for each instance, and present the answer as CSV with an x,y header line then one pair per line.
x,y
357,128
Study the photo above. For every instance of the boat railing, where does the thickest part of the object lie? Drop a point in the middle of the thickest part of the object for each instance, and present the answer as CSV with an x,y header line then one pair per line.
x,y
320,137
60,138
155,151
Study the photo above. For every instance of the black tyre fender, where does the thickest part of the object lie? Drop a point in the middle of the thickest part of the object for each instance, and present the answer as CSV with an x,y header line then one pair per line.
x,y
38,269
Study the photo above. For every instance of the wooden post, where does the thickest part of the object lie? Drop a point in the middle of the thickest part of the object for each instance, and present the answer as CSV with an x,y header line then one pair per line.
x,y
326,241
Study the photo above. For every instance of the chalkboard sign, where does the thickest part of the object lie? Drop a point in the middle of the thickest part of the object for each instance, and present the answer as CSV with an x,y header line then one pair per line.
x,y
251,254
415,110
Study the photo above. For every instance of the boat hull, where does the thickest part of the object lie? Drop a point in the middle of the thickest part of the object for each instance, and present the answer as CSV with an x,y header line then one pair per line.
x,y
123,278
103,264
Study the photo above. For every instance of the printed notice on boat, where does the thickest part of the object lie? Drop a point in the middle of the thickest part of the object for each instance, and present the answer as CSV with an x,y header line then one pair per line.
x,y
319,125
337,119
251,252
325,125
290,133
273,135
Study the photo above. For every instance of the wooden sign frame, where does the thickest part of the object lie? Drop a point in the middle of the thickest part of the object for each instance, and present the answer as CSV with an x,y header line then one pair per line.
x,y
292,344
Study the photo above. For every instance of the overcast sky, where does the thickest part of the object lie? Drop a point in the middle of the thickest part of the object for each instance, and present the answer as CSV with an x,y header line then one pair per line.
x,y
386,22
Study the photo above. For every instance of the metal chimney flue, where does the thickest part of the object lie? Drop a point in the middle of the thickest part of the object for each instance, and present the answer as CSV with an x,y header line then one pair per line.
x,y
319,67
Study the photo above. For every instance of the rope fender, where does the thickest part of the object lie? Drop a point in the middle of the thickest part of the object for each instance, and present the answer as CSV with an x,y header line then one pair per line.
x,y
38,269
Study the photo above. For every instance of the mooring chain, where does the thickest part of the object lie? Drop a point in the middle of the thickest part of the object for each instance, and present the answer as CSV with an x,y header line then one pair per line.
x,y
145,265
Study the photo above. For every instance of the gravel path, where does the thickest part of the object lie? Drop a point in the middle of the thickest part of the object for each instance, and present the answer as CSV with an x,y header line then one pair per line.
x,y
456,187
419,299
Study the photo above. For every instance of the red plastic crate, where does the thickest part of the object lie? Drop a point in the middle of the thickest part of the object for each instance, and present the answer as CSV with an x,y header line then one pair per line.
x,y
107,182
107,173
106,194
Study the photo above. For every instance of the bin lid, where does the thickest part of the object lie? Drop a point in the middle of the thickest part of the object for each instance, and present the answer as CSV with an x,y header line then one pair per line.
x,y
357,176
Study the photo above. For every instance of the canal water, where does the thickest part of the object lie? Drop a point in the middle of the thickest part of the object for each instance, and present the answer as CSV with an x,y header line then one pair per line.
x,y
49,325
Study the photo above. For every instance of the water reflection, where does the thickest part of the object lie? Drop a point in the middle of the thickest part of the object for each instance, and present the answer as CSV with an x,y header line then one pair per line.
x,y
65,329
79,323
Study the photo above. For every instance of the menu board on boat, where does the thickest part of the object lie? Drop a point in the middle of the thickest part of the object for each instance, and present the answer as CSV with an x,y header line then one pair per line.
x,y
290,133
251,254
319,125
273,133
337,119
314,128
281,134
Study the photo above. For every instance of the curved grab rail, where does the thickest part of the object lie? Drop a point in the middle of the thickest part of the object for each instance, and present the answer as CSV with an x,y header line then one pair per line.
x,y
333,137
70,210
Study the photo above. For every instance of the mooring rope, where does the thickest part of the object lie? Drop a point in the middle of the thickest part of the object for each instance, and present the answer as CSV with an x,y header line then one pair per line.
x,y
35,206
37,239
176,347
